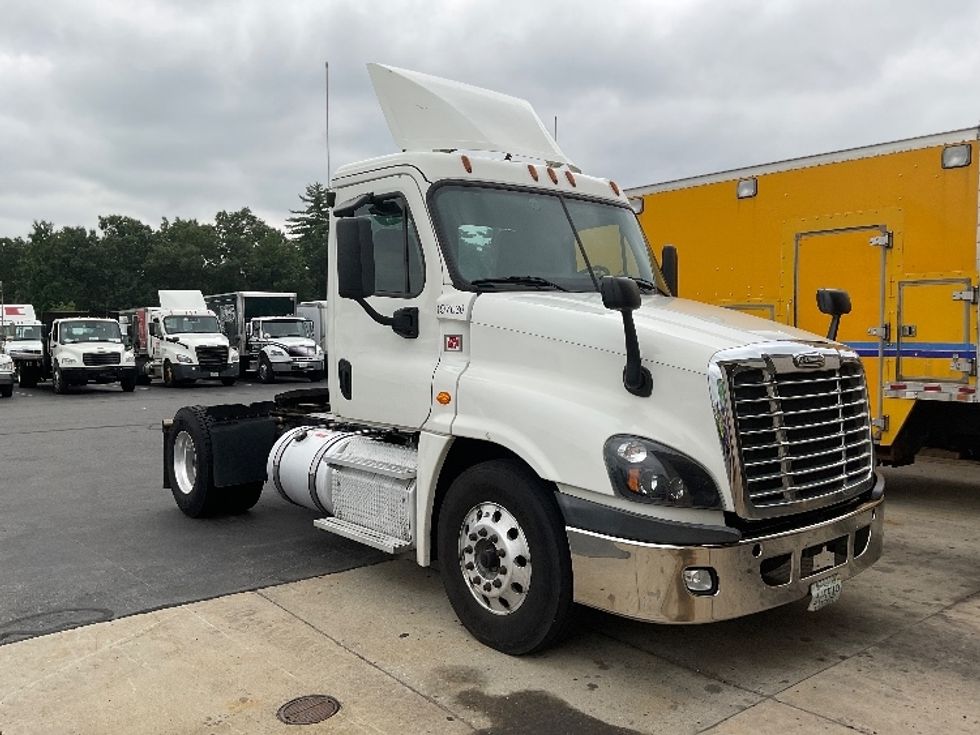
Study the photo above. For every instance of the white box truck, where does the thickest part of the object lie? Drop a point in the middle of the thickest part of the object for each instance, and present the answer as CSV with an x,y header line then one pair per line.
x,y
272,339
20,333
179,342
534,411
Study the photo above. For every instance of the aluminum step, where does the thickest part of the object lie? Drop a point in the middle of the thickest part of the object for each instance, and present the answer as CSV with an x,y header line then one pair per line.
x,y
374,466
366,536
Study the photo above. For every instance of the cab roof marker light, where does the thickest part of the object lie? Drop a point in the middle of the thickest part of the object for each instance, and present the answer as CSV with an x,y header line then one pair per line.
x,y
466,164
553,175
614,187
957,156
747,188
571,178
533,171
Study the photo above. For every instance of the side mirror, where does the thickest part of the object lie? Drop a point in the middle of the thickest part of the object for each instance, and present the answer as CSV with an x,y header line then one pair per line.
x,y
355,258
835,303
623,295
668,264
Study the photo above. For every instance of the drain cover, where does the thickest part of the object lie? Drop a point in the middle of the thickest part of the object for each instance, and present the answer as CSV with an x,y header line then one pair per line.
x,y
308,710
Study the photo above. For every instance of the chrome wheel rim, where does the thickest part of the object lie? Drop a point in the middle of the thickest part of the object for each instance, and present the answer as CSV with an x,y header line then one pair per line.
x,y
494,558
185,462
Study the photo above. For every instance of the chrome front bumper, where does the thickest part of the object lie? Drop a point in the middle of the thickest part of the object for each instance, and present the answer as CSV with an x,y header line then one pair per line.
x,y
644,580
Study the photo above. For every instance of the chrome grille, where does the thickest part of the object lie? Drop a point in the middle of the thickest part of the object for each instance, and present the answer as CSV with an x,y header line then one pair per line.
x,y
212,358
100,358
798,438
300,351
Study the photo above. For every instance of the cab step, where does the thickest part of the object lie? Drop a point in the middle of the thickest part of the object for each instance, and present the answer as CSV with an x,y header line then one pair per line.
x,y
366,536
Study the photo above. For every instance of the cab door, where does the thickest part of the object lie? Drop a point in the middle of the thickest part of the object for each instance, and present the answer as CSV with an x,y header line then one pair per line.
x,y
376,375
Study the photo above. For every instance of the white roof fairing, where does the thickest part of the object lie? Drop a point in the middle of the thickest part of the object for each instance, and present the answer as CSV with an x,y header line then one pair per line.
x,y
427,113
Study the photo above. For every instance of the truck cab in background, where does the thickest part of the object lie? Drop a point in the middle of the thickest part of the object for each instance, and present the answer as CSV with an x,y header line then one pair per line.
x,y
80,350
316,312
179,341
271,339
21,339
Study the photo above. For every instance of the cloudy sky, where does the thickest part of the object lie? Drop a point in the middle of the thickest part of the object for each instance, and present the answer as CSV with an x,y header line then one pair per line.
x,y
181,108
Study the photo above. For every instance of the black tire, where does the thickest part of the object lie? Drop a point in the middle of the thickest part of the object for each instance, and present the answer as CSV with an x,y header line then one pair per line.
x,y
6,390
58,381
266,373
188,463
537,615
316,376
27,377
128,383
228,382
168,375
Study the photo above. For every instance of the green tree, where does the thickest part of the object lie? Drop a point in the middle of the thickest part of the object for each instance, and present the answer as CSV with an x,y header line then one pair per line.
x,y
124,246
13,255
309,228
63,266
182,256
240,235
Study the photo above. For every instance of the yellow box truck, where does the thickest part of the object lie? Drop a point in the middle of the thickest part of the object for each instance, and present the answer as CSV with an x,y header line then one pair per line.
x,y
894,224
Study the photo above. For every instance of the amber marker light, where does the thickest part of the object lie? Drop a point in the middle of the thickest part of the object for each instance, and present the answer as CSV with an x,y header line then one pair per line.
x,y
570,177
633,479
533,171
443,398
552,174
614,187
466,164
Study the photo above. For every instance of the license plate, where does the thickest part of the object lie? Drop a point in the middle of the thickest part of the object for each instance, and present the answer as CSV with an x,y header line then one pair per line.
x,y
214,375
824,592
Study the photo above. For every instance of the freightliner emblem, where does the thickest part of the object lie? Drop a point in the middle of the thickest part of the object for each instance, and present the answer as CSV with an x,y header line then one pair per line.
x,y
809,360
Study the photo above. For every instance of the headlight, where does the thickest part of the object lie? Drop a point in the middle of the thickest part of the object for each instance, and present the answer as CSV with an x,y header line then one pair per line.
x,y
649,472
232,355
128,358
6,362
276,352
67,360
185,358
319,350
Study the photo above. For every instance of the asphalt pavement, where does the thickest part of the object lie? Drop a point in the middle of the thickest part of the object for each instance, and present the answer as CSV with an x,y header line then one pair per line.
x,y
87,533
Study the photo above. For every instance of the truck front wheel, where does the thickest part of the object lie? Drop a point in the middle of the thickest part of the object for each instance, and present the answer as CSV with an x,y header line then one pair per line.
x,y
128,383
27,377
7,390
266,373
58,381
168,375
504,557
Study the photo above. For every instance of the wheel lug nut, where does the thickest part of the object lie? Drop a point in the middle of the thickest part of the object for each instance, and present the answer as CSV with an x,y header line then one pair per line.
x,y
468,550
474,580
472,537
493,539
482,532
501,552
469,566
497,583
486,587
501,570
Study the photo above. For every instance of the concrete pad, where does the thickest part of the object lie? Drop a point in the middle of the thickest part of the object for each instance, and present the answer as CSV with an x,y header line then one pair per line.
x,y
221,666
925,679
772,718
396,615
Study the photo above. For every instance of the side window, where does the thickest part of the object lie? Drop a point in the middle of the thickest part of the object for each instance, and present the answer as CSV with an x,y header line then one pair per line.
x,y
608,250
398,264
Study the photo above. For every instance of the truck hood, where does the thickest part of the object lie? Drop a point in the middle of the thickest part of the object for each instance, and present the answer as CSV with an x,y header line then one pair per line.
x,y
23,346
203,340
287,342
671,331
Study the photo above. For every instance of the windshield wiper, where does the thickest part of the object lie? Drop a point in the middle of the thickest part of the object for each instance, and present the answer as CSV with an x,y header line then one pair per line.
x,y
647,285
519,281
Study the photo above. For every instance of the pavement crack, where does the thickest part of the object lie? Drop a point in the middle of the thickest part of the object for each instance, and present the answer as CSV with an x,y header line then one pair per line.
x,y
455,715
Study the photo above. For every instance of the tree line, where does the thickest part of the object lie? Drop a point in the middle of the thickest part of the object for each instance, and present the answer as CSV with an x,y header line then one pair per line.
x,y
125,262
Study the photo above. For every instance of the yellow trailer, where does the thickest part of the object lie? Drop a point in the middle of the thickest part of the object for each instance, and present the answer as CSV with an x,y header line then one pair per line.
x,y
894,224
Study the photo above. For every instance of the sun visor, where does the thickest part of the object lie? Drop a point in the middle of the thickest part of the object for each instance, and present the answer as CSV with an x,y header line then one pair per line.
x,y
182,300
426,113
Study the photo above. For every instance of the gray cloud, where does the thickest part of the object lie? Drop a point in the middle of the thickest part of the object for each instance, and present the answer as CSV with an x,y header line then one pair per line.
x,y
171,109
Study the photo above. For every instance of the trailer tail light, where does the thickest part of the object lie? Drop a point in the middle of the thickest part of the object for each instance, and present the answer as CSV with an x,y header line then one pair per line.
x,y
747,188
966,390
932,388
957,156
533,171
552,175
466,164
898,386
614,187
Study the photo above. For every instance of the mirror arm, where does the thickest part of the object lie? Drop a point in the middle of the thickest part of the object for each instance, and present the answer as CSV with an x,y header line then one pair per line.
x,y
404,323
834,325
636,377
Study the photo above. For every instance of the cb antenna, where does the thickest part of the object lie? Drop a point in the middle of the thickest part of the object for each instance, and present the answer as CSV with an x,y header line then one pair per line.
x,y
326,79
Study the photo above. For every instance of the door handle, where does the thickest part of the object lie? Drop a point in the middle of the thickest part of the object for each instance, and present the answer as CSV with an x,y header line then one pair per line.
x,y
345,378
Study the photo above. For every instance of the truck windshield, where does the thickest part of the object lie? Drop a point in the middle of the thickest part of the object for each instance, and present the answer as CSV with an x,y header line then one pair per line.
x,y
291,328
90,331
27,331
517,239
190,324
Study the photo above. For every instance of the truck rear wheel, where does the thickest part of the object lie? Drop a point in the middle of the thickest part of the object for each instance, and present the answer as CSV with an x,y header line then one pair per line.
x,y
266,373
504,557
228,381
6,390
27,377
316,376
188,456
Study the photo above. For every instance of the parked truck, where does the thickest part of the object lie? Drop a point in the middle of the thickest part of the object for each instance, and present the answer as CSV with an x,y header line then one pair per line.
x,y
179,342
272,340
316,312
85,349
20,333
534,410
894,224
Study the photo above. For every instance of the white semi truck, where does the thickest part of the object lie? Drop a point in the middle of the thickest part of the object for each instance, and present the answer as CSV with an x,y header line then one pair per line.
x,y
179,342
20,332
84,349
534,411
272,339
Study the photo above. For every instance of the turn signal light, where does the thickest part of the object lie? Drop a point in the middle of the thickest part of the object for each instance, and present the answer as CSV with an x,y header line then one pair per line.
x,y
443,398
